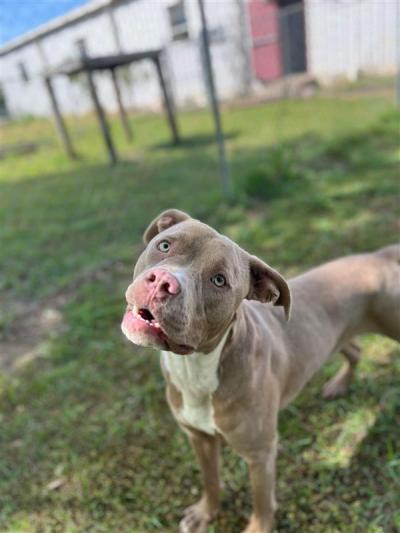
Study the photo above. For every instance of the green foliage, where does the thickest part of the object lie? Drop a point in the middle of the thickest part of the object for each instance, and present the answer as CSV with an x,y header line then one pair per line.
x,y
87,440
278,174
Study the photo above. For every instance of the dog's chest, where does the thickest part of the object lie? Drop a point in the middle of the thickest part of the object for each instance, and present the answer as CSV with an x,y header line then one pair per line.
x,y
196,378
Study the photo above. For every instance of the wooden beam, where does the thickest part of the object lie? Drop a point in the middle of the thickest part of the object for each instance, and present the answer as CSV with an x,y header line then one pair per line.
x,y
122,112
167,102
105,130
59,121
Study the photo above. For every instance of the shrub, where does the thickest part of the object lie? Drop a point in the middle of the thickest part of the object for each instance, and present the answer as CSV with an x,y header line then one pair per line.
x,y
273,179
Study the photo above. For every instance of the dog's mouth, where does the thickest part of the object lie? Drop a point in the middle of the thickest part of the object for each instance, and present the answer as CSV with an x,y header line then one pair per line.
x,y
142,327
145,314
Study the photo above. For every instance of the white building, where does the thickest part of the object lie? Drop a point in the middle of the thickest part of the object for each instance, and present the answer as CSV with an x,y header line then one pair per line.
x,y
253,42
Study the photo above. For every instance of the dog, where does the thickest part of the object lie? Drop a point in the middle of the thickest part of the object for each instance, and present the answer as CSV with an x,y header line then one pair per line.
x,y
238,342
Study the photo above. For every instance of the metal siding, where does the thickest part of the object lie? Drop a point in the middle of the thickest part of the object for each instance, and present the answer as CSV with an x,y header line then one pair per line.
x,y
345,38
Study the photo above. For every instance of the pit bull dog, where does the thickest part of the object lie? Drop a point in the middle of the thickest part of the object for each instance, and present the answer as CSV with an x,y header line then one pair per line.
x,y
230,355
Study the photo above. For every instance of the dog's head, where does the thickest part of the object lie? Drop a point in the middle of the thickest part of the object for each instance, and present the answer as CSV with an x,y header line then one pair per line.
x,y
188,284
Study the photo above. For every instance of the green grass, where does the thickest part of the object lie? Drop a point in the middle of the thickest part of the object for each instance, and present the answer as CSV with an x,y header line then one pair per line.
x,y
89,411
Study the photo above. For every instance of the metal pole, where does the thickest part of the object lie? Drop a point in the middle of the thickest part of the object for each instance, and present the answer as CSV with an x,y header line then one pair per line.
x,y
223,163
243,47
60,124
398,52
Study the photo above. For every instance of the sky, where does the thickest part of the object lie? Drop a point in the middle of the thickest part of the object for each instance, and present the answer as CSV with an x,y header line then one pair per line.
x,y
19,16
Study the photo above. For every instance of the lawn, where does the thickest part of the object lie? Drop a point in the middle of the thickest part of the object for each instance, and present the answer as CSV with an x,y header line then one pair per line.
x,y
87,441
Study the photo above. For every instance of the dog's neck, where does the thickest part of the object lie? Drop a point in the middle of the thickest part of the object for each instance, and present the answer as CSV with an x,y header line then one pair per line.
x,y
196,378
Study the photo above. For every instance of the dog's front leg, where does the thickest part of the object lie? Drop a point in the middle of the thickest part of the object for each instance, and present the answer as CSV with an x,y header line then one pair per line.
x,y
197,516
262,479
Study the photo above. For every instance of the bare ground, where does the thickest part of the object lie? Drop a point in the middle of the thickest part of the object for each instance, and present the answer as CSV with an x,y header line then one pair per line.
x,y
35,323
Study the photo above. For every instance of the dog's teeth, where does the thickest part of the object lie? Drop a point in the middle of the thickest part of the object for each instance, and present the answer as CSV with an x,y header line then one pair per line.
x,y
151,322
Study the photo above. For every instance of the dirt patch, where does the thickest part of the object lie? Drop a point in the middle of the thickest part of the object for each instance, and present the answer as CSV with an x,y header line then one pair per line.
x,y
29,339
34,324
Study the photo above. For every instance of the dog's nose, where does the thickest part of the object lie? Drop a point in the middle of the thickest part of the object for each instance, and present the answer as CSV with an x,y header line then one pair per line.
x,y
162,282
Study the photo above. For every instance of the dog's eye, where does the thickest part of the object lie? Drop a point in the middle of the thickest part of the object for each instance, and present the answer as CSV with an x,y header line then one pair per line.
x,y
218,280
163,246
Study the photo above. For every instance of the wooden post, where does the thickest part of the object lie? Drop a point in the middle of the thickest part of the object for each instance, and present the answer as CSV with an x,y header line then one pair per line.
x,y
60,124
105,130
167,102
122,113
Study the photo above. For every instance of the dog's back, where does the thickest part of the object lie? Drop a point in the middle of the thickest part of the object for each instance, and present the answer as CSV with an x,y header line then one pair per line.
x,y
361,291
386,305
391,253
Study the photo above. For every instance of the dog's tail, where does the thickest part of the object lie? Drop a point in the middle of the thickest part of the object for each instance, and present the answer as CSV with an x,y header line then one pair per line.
x,y
391,253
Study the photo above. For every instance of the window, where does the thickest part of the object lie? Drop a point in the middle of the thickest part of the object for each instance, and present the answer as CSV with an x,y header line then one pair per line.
x,y
178,21
23,72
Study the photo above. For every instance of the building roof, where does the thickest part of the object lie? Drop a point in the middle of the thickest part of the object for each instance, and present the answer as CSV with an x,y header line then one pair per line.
x,y
56,24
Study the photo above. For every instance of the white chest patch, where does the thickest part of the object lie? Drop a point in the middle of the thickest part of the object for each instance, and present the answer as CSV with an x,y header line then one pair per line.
x,y
196,378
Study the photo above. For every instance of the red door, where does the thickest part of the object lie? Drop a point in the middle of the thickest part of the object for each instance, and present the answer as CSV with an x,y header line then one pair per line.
x,y
264,26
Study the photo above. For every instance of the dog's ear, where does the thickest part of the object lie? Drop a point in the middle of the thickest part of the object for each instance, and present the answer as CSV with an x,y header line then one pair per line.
x,y
165,220
267,285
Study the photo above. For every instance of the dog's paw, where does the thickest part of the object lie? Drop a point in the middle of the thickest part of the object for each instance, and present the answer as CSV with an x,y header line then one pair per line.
x,y
332,390
337,386
254,526
195,519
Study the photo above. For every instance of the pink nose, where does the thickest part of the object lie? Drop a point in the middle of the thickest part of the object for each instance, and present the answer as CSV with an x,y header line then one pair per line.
x,y
162,283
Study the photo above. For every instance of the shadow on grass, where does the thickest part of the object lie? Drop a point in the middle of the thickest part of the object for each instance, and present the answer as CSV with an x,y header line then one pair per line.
x,y
194,141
